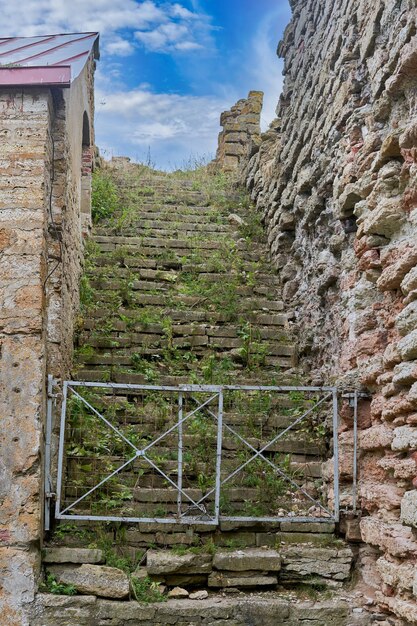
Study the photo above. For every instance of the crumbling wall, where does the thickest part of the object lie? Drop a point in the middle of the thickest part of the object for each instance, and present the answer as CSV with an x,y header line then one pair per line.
x,y
335,179
241,134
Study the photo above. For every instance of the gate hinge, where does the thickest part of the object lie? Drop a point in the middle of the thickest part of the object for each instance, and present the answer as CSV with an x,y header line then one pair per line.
x,y
360,395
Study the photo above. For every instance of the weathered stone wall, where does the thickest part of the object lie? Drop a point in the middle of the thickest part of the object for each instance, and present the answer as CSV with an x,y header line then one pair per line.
x,y
70,215
40,261
335,179
25,179
241,134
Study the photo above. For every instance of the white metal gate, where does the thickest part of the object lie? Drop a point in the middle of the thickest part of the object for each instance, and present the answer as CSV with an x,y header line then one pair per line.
x,y
196,454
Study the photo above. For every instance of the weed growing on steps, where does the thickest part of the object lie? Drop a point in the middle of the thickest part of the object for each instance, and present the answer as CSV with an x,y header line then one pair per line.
x,y
104,198
51,585
146,590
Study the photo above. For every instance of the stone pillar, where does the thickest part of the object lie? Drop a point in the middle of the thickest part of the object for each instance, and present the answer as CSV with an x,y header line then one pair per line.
x,y
241,135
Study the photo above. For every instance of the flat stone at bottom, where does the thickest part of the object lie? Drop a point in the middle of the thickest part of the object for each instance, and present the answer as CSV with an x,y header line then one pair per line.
x,y
244,579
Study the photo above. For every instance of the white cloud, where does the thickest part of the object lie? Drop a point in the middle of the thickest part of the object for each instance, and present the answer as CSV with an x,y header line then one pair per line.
x,y
119,47
171,125
169,36
160,25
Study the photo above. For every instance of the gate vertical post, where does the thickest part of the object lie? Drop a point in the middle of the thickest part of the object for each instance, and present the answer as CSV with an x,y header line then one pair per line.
x,y
355,450
219,456
336,455
180,452
47,468
61,450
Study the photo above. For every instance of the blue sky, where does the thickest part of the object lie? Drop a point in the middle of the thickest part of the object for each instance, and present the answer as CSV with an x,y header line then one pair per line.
x,y
167,69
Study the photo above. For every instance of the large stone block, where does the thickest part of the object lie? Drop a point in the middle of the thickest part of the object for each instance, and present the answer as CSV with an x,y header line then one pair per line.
x,y
379,436
72,555
98,580
50,609
386,219
405,438
256,559
394,538
164,563
18,585
306,561
407,346
405,373
409,282
406,321
409,508
396,574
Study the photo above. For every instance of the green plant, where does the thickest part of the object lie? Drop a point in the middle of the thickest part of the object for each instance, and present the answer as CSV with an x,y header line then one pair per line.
x,y
104,198
146,590
51,585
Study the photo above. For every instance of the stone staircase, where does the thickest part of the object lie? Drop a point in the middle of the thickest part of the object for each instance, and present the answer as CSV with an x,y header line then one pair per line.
x,y
179,290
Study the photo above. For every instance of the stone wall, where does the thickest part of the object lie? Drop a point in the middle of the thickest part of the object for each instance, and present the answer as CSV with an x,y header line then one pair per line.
x,y
241,134
25,156
40,261
335,180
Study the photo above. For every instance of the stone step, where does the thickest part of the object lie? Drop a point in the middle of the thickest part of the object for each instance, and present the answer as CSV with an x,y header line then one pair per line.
x,y
156,242
207,217
131,341
177,329
173,255
160,226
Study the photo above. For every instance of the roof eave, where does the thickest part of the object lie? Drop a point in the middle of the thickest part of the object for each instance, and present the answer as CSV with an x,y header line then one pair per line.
x,y
59,75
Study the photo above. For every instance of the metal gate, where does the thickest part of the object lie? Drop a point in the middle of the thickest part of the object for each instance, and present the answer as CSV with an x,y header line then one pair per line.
x,y
196,454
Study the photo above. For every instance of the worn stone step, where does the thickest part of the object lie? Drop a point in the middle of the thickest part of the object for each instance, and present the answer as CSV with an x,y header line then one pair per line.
x,y
160,226
191,217
155,242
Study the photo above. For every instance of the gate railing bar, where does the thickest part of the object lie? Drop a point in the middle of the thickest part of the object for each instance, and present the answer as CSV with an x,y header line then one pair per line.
x,y
288,518
48,437
274,388
147,520
61,450
208,388
180,446
219,455
336,456
214,388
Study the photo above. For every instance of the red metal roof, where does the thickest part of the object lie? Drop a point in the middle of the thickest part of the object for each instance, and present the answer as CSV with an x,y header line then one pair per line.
x,y
46,60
